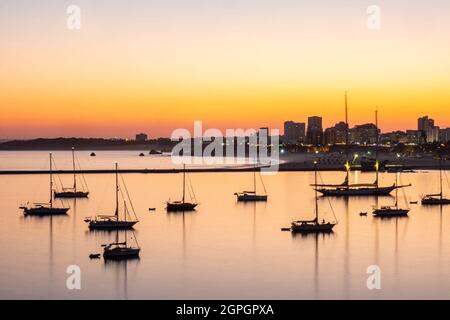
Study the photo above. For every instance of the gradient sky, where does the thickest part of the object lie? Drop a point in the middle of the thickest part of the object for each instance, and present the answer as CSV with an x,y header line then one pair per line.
x,y
153,66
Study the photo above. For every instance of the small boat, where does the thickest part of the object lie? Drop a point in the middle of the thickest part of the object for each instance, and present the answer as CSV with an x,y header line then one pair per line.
x,y
363,213
391,211
172,206
121,250
44,209
151,209
413,202
73,192
438,198
94,256
108,222
93,154
154,152
248,196
313,226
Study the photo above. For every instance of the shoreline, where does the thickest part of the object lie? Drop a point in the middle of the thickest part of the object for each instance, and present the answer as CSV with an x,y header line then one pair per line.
x,y
286,167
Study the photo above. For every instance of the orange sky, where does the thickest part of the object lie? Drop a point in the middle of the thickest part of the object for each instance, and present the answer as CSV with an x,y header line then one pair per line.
x,y
130,70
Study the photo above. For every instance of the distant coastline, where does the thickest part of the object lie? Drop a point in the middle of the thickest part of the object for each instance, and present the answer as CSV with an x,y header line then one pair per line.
x,y
86,144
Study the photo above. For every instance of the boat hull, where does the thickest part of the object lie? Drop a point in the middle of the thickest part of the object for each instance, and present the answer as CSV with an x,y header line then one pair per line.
x,y
435,201
42,211
111,225
71,194
390,212
180,206
348,192
251,197
312,228
121,253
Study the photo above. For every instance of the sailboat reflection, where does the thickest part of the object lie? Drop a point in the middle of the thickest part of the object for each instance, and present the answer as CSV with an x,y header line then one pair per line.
x,y
315,237
121,271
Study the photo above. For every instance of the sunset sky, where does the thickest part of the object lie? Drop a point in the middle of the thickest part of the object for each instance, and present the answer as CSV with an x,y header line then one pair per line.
x,y
153,66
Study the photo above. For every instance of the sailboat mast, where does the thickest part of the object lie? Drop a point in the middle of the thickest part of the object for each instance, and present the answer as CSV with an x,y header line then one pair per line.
x,y
315,191
125,218
254,177
184,181
440,175
74,173
51,181
396,190
376,147
347,165
117,193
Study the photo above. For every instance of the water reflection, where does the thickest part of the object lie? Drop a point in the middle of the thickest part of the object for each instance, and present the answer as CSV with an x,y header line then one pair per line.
x,y
314,238
120,270
226,249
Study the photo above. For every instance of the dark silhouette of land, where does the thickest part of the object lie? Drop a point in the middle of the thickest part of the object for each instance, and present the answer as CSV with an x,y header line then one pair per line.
x,y
162,144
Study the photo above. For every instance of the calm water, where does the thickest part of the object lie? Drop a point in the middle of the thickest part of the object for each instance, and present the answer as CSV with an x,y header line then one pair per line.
x,y
224,249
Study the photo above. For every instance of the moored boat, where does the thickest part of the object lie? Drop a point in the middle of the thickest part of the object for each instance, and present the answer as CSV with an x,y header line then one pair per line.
x,y
44,209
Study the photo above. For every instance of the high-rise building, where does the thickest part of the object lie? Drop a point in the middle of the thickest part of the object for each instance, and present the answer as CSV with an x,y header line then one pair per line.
x,y
364,134
336,134
314,133
444,135
432,134
141,137
294,132
424,123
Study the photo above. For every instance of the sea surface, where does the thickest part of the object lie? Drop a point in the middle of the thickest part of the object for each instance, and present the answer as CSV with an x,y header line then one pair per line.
x,y
225,249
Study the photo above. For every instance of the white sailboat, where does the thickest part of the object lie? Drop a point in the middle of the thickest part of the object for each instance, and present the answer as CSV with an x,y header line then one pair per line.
x,y
43,209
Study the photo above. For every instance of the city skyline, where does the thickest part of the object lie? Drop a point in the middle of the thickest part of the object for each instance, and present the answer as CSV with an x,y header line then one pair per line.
x,y
154,66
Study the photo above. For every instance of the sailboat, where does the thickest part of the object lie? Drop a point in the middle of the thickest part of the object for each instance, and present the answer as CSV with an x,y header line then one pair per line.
x,y
436,199
182,205
121,250
391,211
42,209
252,195
360,189
107,222
310,226
72,192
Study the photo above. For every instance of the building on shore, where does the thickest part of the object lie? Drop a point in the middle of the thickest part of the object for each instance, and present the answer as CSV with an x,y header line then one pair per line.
x,y
294,132
444,135
336,134
314,133
141,137
365,134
